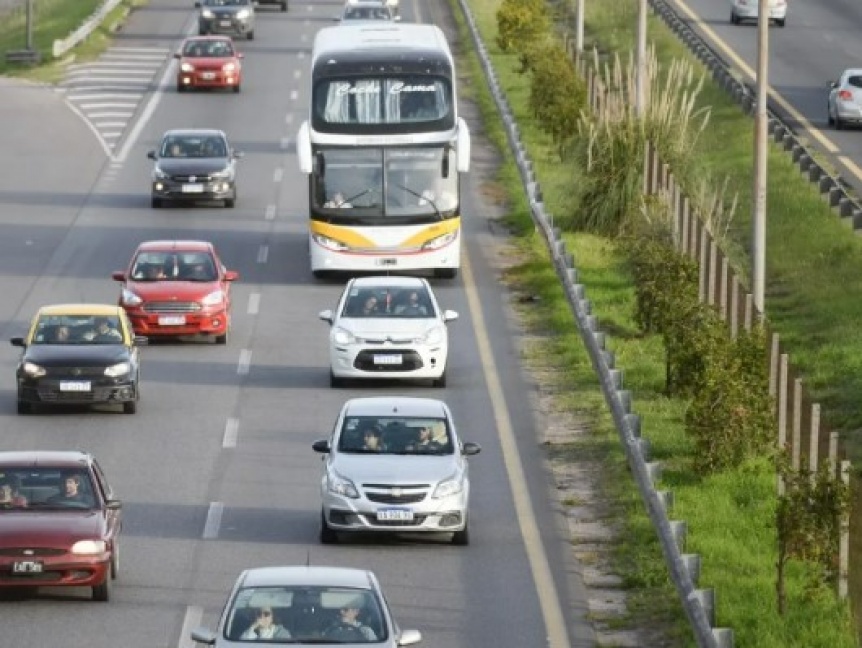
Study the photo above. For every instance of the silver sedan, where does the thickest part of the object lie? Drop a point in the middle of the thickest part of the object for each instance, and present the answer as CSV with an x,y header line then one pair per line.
x,y
844,105
395,465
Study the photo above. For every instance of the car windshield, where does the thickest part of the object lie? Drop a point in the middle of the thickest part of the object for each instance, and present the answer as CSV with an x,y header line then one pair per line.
x,y
226,3
299,613
193,146
45,488
78,329
391,302
173,266
366,13
208,49
395,435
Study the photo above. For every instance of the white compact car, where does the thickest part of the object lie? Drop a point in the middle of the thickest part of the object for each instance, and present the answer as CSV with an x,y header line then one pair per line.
x,y
743,10
844,104
388,327
395,465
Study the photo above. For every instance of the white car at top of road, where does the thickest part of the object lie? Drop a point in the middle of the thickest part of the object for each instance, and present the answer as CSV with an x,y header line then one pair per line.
x,y
388,327
844,105
392,4
743,10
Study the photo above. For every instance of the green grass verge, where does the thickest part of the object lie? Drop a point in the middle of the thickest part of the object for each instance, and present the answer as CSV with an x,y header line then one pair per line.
x,y
730,517
53,20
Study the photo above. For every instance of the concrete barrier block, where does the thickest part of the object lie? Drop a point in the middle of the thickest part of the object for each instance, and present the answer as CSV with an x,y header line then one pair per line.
x,y
572,275
825,184
815,172
723,637
798,153
616,378
633,422
643,448
691,562
835,195
625,398
654,472
679,529
665,498
609,358
600,339
706,598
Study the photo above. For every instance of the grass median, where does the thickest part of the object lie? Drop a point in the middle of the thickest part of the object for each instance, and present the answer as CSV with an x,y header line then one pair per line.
x,y
730,516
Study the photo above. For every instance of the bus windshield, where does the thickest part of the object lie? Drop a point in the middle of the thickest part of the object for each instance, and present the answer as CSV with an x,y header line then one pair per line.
x,y
385,184
420,103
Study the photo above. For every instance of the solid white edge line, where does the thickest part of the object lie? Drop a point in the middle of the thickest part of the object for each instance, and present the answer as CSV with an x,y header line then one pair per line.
x,y
254,303
244,363
555,623
231,433
192,619
213,523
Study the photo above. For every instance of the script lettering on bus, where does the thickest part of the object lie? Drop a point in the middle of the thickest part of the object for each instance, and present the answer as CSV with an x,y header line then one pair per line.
x,y
347,89
399,87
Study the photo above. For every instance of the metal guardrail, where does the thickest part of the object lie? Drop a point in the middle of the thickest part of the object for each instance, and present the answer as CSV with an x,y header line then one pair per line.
x,y
62,46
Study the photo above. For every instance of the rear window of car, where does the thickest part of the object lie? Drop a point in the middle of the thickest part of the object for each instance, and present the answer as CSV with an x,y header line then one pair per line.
x,y
855,81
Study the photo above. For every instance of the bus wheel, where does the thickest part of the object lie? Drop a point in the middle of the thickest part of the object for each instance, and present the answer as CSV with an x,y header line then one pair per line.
x,y
446,273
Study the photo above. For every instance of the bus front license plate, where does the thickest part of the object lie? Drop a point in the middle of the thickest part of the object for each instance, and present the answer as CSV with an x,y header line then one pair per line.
x,y
387,262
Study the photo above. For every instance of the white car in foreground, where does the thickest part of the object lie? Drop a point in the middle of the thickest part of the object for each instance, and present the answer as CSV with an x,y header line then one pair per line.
x,y
744,10
388,327
395,465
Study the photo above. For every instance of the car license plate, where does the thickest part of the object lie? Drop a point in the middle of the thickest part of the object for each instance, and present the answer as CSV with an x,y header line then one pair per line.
x,y
399,515
387,262
193,188
208,76
27,567
172,320
387,359
225,23
75,386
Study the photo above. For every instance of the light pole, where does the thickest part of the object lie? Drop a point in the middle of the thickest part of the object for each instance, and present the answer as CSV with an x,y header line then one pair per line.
x,y
30,25
761,152
641,81
579,29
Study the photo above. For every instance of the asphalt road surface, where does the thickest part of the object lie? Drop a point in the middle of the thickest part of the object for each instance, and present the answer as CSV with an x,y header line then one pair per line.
x,y
216,469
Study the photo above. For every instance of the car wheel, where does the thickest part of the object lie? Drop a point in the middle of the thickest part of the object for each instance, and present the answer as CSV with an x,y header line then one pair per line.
x,y
236,89
839,125
230,203
156,203
24,407
335,381
130,407
115,560
461,538
733,19
102,591
829,119
222,339
250,35
780,23
327,534
441,381
446,273
180,87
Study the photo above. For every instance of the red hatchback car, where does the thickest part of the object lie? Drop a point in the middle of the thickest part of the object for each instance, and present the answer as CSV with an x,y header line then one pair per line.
x,y
59,522
177,288
209,62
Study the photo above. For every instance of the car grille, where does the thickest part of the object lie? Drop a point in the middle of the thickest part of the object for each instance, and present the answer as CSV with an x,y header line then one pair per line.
x,y
47,576
198,178
54,396
75,372
30,552
410,361
390,340
388,498
171,307
395,493
417,520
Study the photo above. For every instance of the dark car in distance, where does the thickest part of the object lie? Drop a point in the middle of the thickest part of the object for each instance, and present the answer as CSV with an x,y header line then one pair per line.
x,y
231,17
60,522
194,165
79,354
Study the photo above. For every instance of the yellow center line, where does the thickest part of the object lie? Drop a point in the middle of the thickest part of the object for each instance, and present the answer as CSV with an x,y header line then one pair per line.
x,y
552,613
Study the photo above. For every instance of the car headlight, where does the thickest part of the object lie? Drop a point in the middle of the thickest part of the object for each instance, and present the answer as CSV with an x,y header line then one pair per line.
x,y
214,298
229,67
128,298
187,67
224,174
432,336
328,243
158,174
341,486
342,336
33,370
117,370
446,488
440,241
89,547
242,14
206,13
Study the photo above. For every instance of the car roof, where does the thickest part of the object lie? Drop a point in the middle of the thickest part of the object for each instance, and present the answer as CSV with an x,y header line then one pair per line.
x,y
81,309
208,37
183,246
371,4
387,281
403,405
194,132
319,575
61,458
853,71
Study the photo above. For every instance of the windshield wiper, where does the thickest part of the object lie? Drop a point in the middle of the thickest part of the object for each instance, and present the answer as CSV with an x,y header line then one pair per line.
x,y
422,196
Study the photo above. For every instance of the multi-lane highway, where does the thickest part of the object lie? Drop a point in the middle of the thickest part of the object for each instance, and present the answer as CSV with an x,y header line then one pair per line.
x,y
216,469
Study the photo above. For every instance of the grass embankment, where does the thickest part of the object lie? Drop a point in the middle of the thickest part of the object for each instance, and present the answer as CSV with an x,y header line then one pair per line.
x,y
54,20
730,516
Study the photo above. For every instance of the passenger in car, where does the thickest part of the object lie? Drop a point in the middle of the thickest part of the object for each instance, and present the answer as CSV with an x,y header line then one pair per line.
x,y
372,441
265,626
426,443
73,492
9,495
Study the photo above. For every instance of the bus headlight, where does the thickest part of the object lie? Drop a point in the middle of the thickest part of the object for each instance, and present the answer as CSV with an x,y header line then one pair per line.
x,y
440,241
328,243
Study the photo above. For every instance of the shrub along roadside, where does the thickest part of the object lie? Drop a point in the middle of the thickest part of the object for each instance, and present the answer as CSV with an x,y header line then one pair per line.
x,y
730,515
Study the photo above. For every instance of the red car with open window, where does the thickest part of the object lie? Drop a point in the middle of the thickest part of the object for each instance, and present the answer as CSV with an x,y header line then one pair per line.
x,y
209,62
177,288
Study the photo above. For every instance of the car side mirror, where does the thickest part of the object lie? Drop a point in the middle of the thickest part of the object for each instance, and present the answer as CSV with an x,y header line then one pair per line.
x,y
140,340
151,155
449,315
326,316
470,448
17,342
240,55
321,446
238,154
118,275
177,55
231,275
197,5
113,505
833,84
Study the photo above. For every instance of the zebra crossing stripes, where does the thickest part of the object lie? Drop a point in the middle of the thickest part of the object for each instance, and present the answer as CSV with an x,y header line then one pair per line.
x,y
108,91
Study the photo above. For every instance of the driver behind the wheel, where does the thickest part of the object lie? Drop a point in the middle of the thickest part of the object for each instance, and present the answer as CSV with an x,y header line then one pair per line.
x,y
348,627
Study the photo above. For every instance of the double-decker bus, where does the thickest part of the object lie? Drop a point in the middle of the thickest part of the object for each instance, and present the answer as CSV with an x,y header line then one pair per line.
x,y
384,148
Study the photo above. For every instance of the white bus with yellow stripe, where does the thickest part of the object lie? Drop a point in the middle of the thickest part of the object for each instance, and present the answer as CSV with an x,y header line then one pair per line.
x,y
384,149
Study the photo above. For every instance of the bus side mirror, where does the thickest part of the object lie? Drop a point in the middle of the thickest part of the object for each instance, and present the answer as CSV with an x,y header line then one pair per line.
x,y
444,170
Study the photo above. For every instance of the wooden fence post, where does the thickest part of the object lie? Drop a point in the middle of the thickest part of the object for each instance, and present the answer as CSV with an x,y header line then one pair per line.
x,y
814,439
844,541
796,450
